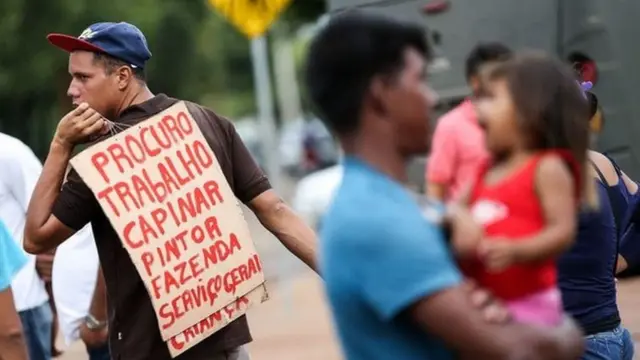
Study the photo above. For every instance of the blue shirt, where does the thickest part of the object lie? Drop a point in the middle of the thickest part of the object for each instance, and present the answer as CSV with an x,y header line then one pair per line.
x,y
378,256
12,258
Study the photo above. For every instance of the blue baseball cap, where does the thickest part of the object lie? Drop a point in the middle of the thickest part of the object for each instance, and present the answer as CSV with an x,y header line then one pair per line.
x,y
120,40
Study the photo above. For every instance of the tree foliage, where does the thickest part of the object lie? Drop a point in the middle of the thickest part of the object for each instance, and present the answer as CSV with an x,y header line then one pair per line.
x,y
301,12
197,55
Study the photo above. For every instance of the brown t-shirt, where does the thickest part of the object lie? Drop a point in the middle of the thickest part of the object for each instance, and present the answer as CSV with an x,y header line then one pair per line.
x,y
133,327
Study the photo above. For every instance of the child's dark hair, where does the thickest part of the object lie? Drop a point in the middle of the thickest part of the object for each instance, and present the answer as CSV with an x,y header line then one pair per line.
x,y
551,108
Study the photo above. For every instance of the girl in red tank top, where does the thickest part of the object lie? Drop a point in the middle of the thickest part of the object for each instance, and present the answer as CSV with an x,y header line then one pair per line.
x,y
526,199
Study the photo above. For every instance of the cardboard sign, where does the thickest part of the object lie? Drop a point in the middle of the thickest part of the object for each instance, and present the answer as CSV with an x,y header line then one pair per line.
x,y
216,321
163,190
251,17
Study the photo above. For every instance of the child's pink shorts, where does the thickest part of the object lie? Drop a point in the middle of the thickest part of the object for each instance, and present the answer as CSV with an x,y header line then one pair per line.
x,y
542,308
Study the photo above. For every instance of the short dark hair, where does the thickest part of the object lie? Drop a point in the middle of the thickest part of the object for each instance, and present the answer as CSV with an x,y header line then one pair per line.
x,y
344,57
484,53
111,63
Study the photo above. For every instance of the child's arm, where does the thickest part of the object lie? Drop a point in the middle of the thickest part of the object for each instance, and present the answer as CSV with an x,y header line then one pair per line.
x,y
555,188
464,231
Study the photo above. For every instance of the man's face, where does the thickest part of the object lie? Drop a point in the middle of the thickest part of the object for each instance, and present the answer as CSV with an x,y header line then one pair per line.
x,y
475,81
409,105
90,83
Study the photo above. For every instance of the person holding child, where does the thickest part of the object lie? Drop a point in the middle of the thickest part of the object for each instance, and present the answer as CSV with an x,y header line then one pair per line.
x,y
394,289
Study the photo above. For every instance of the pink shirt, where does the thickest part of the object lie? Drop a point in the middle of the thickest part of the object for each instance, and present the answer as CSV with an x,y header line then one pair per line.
x,y
458,149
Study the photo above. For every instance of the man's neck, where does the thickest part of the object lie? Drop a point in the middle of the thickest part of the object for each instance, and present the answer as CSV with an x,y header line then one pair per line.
x,y
139,96
379,156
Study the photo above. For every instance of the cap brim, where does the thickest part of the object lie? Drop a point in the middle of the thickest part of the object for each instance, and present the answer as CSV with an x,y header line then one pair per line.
x,y
70,43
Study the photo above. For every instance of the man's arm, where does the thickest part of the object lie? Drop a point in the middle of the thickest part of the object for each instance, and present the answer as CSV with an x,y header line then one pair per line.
x,y
277,217
441,164
252,187
12,342
43,231
446,313
98,310
407,274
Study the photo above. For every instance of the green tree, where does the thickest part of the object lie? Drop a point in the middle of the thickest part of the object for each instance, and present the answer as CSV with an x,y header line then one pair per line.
x,y
303,11
197,55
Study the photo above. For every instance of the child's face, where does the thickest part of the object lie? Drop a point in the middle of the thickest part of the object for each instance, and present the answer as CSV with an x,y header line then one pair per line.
x,y
497,116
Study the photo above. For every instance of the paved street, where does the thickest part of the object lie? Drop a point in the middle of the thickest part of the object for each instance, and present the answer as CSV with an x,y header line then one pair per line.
x,y
295,324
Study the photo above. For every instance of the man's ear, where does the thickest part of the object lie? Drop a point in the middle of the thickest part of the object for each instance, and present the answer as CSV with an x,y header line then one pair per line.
x,y
474,83
378,94
124,76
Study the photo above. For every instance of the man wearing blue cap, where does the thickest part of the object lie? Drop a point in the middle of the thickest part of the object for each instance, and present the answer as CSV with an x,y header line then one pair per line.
x,y
107,63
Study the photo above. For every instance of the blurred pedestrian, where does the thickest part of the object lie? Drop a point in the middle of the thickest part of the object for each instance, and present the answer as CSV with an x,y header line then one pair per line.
x,y
80,294
12,259
458,146
19,171
586,273
106,64
393,286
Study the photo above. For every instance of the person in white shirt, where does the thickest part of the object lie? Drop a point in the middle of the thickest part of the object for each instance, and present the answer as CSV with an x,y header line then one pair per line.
x,y
19,171
73,272
314,193
75,266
